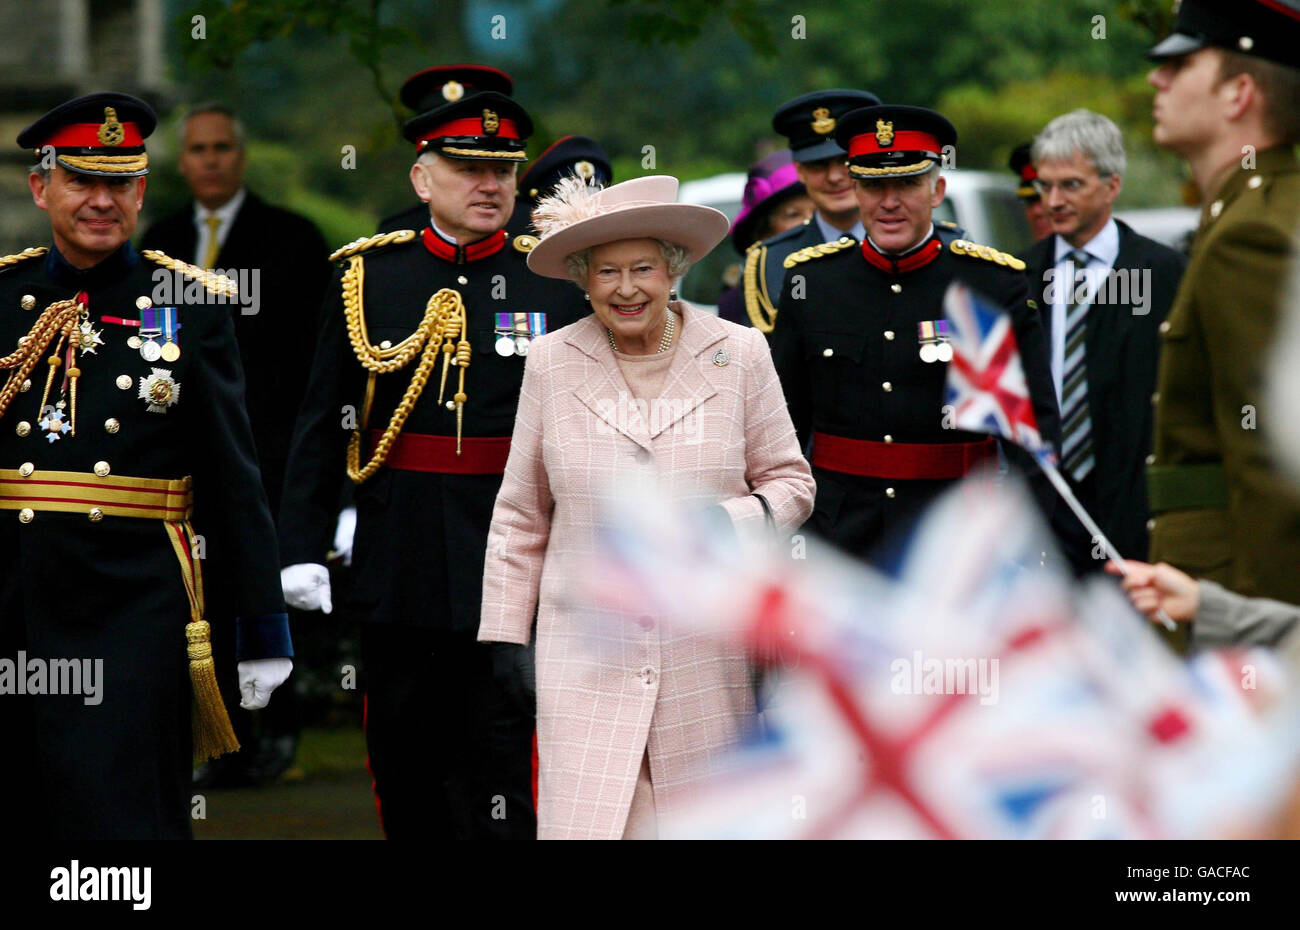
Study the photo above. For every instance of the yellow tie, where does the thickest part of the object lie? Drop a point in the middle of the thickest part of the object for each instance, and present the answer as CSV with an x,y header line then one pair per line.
x,y
214,244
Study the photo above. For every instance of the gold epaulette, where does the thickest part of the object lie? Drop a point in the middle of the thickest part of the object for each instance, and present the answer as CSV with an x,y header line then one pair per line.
x,y
215,283
820,250
365,243
525,243
758,302
10,260
975,250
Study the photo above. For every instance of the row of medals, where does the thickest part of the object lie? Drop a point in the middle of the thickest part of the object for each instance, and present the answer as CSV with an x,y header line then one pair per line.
x,y
147,344
508,345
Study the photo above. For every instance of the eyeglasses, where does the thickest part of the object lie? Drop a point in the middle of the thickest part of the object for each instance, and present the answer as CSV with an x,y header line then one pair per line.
x,y
1068,186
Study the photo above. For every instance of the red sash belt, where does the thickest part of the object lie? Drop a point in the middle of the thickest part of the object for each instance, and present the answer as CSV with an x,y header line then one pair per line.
x,y
900,460
479,455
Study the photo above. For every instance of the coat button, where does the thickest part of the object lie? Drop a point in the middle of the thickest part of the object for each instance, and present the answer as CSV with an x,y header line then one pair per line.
x,y
143,303
23,428
124,382
28,302
896,288
27,385
1216,208
889,335
461,279
1151,524
886,387
102,469
643,456
827,353
1254,182
95,515
646,623
888,438
26,515
111,425
1164,327
26,468
1151,459
1155,398
889,492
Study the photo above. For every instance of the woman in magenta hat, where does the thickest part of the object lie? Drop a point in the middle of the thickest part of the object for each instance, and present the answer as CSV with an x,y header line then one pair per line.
x,y
645,387
774,201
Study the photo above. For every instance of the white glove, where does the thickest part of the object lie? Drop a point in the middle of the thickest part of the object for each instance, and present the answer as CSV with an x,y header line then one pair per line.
x,y
258,678
307,587
343,534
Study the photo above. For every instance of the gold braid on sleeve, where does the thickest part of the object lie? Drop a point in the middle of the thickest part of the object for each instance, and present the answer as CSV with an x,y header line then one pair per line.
x,y
444,320
758,303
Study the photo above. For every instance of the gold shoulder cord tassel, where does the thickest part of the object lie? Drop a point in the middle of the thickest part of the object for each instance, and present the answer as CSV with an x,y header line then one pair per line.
x,y
758,303
210,727
444,319
58,319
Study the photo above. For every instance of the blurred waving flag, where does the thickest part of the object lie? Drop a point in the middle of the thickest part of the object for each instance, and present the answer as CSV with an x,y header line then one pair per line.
x,y
986,383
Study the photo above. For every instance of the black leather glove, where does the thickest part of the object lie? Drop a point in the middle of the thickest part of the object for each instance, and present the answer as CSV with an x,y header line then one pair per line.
x,y
514,671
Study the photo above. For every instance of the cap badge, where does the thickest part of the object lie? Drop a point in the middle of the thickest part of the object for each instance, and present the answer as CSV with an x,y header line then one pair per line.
x,y
822,122
453,91
490,122
111,132
884,132
585,169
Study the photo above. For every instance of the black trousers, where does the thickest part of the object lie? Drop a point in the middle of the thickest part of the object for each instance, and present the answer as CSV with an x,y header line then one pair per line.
x,y
450,753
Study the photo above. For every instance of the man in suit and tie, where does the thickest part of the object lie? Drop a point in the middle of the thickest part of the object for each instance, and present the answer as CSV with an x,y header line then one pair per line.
x,y
229,227
1104,292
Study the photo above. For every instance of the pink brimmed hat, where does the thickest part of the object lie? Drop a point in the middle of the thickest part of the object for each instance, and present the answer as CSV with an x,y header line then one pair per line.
x,y
578,217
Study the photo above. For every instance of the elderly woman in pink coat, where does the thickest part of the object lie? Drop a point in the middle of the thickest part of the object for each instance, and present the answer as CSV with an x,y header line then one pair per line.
x,y
628,709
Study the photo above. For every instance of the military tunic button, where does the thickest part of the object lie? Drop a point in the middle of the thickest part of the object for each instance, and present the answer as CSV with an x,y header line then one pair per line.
x,y
889,335
1151,459
1155,398
889,492
1254,182
887,387
1245,43
95,514
896,288
23,428
27,385
386,344
828,352
888,438
462,280
102,469
1216,208
26,515
28,302
1151,524
1164,327
111,425
26,468
143,303
124,382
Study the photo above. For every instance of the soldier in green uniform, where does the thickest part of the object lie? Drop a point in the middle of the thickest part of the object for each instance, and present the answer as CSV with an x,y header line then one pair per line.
x,y
121,404
1228,100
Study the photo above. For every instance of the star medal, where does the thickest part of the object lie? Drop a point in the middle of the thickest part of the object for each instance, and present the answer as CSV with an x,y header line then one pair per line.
x,y
52,423
159,390
171,348
88,338
150,351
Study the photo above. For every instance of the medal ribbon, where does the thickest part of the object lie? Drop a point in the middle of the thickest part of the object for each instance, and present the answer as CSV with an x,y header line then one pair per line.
x,y
169,325
149,323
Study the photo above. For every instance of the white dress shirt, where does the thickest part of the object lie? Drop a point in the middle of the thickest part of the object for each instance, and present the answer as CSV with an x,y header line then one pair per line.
x,y
226,213
1102,250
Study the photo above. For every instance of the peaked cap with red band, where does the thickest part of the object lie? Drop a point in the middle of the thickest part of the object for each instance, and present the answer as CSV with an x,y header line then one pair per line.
x,y
99,134
485,125
894,141
432,87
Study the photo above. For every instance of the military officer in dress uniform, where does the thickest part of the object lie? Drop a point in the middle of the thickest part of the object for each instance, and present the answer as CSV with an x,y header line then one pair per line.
x,y
1228,100
122,404
862,353
809,123
415,385
1021,164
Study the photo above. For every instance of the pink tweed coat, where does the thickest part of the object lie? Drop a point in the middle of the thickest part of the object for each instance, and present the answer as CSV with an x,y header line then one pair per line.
x,y
611,688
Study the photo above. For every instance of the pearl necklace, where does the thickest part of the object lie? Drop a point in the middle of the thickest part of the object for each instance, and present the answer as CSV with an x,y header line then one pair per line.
x,y
665,342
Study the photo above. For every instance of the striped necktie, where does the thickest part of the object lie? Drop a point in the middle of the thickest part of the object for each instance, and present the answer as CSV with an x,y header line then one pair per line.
x,y
214,244
1076,447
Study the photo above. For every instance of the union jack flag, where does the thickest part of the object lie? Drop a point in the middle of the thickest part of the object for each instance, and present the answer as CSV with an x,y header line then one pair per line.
x,y
986,383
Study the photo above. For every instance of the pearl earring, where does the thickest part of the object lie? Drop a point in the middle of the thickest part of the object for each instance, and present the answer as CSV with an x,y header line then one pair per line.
x,y
672,295
586,296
